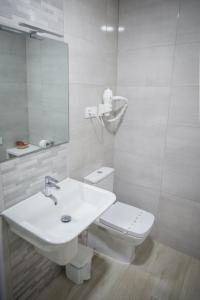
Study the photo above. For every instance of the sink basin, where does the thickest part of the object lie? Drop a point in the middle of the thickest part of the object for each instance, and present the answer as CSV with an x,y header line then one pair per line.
x,y
38,220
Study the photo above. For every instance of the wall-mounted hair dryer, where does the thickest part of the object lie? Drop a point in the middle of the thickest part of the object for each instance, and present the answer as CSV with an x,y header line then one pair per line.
x,y
105,112
107,105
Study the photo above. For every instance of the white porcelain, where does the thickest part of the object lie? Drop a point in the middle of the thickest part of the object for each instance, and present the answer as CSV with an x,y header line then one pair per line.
x,y
121,227
127,219
115,234
102,178
38,220
112,243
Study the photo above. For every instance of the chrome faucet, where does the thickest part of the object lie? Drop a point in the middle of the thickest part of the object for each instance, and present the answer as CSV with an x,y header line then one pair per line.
x,y
50,182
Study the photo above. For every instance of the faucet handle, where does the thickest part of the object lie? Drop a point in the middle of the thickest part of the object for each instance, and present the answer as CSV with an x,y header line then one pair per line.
x,y
50,179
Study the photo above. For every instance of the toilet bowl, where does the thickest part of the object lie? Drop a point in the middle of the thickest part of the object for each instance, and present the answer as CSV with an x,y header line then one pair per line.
x,y
121,228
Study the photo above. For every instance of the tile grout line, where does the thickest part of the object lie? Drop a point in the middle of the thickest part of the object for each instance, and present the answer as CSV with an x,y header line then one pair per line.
x,y
168,114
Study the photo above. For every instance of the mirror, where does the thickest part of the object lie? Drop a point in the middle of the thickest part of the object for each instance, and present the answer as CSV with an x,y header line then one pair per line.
x,y
33,94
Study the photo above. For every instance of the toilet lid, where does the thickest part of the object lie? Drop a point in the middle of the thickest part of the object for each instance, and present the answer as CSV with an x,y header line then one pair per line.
x,y
128,219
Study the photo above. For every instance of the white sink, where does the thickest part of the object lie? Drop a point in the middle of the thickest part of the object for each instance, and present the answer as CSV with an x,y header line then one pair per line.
x,y
38,220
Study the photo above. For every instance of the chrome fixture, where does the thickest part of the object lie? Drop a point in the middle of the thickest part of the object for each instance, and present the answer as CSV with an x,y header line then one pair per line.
x,y
35,31
36,35
49,183
66,219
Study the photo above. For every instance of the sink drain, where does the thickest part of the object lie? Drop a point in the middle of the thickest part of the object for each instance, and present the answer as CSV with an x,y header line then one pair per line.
x,y
66,219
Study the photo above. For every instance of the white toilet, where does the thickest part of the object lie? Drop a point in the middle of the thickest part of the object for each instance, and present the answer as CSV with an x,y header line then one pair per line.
x,y
122,227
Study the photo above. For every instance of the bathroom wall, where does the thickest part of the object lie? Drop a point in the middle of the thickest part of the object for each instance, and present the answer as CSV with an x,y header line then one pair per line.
x,y
93,57
13,123
47,14
157,148
92,68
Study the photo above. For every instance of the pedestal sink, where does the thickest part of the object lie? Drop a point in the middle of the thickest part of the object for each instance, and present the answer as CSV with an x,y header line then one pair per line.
x,y
39,221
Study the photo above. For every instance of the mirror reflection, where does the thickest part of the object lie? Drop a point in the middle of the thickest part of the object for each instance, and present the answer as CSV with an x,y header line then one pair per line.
x,y
33,94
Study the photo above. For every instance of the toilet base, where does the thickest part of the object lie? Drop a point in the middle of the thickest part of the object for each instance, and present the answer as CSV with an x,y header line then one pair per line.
x,y
116,246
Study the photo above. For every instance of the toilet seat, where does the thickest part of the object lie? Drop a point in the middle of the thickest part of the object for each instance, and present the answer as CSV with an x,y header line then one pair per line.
x,y
127,219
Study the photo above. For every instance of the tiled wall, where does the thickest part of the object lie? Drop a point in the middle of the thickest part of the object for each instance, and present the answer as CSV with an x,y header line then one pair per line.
x,y
46,14
157,148
23,177
93,63
92,68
